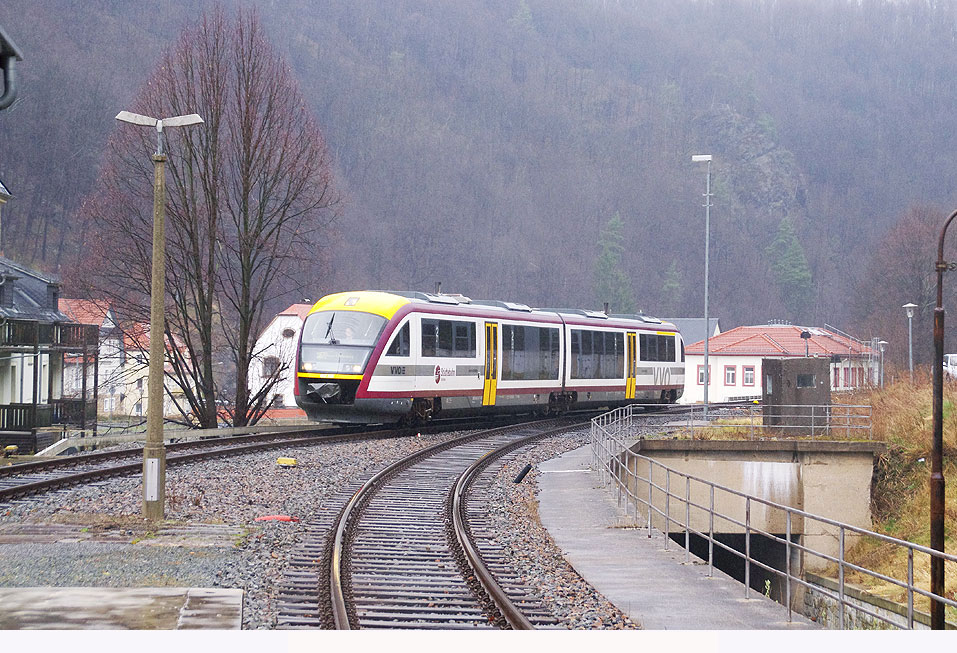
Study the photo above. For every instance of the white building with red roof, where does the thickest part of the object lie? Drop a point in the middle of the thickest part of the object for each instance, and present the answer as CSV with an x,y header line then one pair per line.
x,y
275,355
735,360
123,363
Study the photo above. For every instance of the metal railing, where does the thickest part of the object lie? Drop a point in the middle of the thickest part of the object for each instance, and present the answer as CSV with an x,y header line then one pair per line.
x,y
831,420
73,411
699,501
31,333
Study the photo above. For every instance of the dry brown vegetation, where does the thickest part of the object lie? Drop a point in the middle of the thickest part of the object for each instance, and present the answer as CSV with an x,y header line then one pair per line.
x,y
900,495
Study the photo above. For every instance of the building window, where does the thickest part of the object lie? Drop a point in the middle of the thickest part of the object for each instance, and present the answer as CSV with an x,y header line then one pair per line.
x,y
837,378
805,381
730,374
747,374
701,375
270,366
847,377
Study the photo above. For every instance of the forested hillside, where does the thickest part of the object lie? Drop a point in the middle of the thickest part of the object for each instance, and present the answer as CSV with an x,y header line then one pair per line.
x,y
486,145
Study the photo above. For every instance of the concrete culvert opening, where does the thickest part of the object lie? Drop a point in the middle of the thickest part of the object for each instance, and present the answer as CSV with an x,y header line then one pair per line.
x,y
763,549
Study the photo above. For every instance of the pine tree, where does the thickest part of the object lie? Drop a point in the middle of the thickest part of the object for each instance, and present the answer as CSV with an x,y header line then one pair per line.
x,y
791,272
612,284
671,290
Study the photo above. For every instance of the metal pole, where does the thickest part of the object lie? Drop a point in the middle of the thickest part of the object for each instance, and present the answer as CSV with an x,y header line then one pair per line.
x,y
747,547
687,519
840,573
937,458
154,453
787,565
910,346
707,248
711,533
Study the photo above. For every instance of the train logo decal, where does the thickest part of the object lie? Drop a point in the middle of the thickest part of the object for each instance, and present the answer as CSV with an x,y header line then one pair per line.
x,y
662,376
446,372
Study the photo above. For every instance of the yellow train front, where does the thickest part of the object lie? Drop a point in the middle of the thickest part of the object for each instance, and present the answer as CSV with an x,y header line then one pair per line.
x,y
377,357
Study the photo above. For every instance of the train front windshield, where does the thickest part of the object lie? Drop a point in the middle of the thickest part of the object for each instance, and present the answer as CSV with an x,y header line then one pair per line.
x,y
338,342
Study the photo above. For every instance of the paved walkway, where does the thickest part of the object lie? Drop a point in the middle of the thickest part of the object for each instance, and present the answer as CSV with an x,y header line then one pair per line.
x,y
102,608
653,586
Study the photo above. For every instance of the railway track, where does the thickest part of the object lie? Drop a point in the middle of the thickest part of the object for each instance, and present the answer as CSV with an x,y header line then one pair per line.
x,y
24,479
403,553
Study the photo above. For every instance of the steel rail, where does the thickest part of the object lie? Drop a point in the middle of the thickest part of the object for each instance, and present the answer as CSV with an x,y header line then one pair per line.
x,y
100,456
228,447
513,615
349,516
340,608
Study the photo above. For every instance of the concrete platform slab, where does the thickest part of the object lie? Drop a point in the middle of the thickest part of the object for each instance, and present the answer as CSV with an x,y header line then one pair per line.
x,y
101,608
652,585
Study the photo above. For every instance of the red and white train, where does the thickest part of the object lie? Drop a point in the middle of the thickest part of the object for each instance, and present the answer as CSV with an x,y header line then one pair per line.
x,y
378,357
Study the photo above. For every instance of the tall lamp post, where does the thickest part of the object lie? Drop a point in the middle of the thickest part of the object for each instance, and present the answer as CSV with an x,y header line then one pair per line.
x,y
706,158
937,453
909,310
154,453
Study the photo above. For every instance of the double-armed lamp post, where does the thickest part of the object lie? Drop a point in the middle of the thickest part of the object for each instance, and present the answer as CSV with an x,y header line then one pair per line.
x,y
154,453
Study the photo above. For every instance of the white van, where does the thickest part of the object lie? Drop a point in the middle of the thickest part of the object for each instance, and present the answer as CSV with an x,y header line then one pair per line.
x,y
950,365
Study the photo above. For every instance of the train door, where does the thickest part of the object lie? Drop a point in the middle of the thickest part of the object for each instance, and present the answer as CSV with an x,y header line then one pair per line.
x,y
491,363
630,363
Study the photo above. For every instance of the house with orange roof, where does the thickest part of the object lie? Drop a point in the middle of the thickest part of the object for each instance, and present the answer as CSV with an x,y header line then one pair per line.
x,y
735,356
121,377
275,356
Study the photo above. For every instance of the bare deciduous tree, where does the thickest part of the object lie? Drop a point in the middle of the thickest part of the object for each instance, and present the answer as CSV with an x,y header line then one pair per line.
x,y
250,193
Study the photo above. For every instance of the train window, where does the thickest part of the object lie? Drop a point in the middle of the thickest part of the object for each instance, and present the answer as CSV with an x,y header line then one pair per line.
x,y
656,347
342,327
448,339
529,353
401,343
597,354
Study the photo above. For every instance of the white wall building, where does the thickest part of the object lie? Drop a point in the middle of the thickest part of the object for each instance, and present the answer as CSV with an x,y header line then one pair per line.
x,y
276,353
123,363
735,360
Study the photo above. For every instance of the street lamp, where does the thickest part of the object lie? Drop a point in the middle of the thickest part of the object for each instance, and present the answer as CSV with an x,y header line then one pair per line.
x,y
909,309
937,452
706,158
154,453
882,344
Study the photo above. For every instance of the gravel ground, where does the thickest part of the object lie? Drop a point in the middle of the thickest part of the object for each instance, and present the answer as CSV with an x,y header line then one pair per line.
x,y
247,554
513,514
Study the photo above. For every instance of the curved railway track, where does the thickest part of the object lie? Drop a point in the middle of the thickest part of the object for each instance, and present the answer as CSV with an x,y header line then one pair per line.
x,y
403,555
24,479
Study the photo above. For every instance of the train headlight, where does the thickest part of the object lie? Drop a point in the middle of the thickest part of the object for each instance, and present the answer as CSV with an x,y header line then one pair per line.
x,y
356,369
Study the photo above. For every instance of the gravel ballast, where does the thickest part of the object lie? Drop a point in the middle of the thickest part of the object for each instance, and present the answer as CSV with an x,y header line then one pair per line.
x,y
211,537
